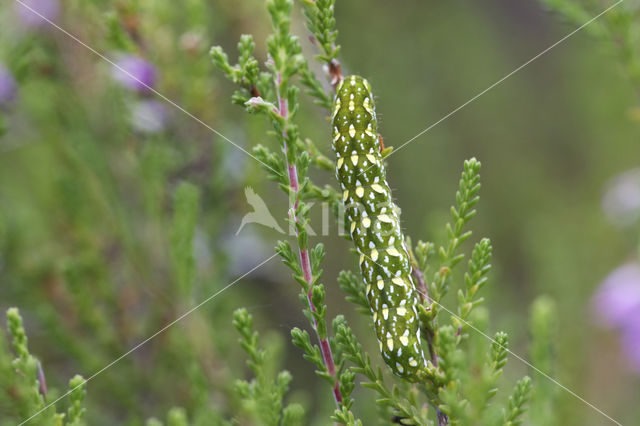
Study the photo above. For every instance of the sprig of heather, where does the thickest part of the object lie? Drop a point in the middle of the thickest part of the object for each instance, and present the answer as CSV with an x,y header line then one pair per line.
x,y
274,94
28,391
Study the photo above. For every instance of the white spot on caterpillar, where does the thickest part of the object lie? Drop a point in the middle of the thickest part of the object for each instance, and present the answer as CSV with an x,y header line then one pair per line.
x,y
404,340
352,104
345,195
340,161
369,131
352,131
393,252
360,191
380,284
401,311
374,255
367,106
371,158
377,188
390,344
399,367
385,313
353,226
385,218
354,160
398,281
413,362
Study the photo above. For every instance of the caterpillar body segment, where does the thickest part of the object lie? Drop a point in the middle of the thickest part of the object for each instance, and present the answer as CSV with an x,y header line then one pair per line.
x,y
375,227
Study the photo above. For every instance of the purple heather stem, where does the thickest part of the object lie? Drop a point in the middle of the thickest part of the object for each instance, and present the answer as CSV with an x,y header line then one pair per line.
x,y
42,381
443,420
424,297
305,262
421,283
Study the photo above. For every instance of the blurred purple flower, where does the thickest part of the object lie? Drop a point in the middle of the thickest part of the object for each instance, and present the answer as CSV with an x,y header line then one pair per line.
x,y
134,72
631,342
149,116
617,301
43,11
621,200
8,87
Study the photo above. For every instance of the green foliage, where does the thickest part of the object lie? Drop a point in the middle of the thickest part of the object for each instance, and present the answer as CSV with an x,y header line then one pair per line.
x,y
462,212
183,229
321,22
543,335
474,279
26,389
351,284
263,396
619,24
352,350
517,402
78,386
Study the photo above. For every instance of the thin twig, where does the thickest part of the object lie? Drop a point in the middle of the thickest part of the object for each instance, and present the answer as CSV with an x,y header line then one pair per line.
x,y
305,262
423,293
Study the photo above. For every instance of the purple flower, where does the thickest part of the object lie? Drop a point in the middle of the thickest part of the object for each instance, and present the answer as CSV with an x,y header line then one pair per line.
x,y
621,200
134,73
617,303
36,13
618,299
149,116
631,341
8,87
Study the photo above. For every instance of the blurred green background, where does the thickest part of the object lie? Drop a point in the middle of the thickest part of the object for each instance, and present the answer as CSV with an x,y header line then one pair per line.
x,y
87,197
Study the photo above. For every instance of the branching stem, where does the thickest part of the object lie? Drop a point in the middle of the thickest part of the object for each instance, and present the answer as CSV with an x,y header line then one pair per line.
x,y
305,262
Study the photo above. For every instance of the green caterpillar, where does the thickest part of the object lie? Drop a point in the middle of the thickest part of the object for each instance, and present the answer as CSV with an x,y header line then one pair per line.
x,y
375,227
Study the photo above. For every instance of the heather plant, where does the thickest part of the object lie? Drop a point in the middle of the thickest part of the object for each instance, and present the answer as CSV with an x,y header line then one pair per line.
x,y
445,381
106,254
129,227
27,390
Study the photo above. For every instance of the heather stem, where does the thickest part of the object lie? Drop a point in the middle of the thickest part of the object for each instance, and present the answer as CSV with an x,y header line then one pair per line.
x,y
305,262
424,298
423,292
